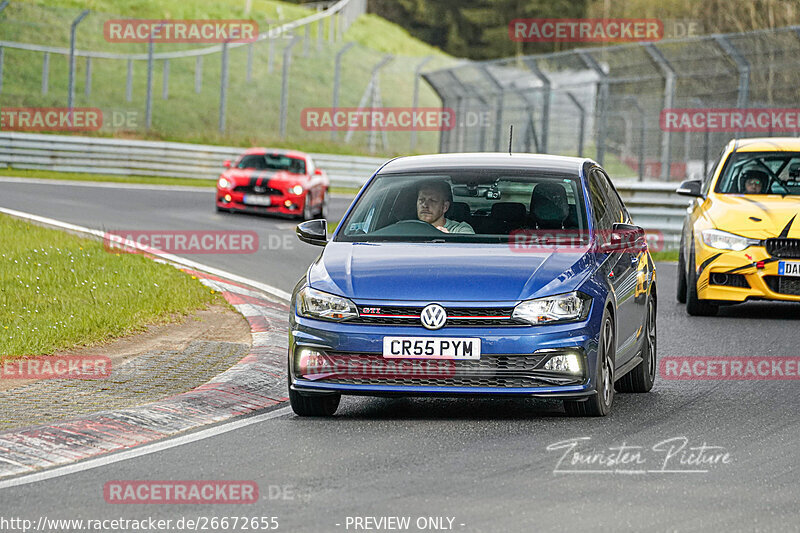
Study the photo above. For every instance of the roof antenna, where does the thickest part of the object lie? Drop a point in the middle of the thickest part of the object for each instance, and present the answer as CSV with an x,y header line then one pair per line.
x,y
510,137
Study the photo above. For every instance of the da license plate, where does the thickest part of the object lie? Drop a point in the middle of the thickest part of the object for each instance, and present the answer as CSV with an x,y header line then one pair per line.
x,y
250,199
789,268
431,348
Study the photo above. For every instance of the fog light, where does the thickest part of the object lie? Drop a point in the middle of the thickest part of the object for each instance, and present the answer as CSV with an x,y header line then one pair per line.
x,y
227,198
308,361
568,362
288,203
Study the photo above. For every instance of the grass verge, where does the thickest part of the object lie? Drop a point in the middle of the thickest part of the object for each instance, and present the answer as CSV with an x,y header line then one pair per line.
x,y
77,176
671,255
59,291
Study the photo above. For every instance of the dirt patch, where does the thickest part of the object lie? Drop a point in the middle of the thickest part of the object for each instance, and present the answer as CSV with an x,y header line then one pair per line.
x,y
218,323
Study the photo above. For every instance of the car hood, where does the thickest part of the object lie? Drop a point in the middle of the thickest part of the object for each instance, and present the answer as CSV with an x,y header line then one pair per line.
x,y
244,176
757,216
445,272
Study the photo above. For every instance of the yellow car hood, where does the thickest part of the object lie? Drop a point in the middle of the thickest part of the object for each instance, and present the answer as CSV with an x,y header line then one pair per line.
x,y
755,216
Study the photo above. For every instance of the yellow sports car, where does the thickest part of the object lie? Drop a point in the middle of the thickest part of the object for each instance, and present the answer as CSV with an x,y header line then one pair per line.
x,y
741,236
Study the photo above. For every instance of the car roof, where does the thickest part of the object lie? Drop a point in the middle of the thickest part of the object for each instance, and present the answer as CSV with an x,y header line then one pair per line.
x,y
768,144
261,151
544,162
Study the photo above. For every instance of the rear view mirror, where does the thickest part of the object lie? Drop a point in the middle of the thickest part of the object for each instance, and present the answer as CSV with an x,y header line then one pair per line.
x,y
690,188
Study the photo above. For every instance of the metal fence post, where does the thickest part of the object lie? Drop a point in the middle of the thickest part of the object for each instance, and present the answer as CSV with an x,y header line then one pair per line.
x,y
198,74
669,97
129,82
602,104
743,66
582,121
148,108
165,80
534,68
635,103
223,87
415,99
45,73
87,86
499,105
287,59
337,71
72,30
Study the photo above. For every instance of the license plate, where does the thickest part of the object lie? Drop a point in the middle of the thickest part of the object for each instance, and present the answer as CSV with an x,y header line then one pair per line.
x,y
789,268
431,348
257,200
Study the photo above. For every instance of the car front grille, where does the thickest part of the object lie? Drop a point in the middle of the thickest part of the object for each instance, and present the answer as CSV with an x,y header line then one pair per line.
x,y
783,248
249,189
783,285
496,371
456,316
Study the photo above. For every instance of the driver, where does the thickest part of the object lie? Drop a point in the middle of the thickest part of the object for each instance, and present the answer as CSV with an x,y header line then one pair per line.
x,y
433,200
754,181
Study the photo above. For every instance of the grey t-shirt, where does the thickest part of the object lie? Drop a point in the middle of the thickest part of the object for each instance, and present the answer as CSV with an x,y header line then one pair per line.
x,y
454,226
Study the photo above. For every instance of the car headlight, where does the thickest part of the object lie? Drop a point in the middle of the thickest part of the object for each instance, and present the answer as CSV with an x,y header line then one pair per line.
x,y
558,308
297,189
722,240
312,303
224,183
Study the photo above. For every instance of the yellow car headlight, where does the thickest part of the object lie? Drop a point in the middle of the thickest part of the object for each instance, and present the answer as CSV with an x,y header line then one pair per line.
x,y
722,240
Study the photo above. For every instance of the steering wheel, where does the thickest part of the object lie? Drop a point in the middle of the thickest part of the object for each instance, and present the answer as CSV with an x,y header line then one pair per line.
x,y
412,228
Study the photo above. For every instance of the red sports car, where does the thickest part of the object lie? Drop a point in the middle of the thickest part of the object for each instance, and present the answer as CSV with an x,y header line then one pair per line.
x,y
271,181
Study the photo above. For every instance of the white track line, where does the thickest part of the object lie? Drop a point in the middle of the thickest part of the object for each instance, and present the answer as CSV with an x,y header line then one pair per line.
x,y
107,184
269,289
145,449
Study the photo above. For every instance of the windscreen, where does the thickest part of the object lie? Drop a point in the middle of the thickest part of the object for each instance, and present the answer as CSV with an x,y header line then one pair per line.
x,y
476,205
761,173
272,162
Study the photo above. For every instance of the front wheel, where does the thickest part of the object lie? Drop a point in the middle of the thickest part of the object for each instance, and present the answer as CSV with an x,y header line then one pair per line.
x,y
322,405
600,403
641,378
308,213
681,294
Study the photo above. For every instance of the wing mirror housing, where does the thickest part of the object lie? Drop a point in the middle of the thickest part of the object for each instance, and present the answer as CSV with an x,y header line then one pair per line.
x,y
227,163
690,188
313,232
625,238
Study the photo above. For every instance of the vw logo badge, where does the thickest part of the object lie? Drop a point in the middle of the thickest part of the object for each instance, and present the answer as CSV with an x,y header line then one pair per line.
x,y
433,316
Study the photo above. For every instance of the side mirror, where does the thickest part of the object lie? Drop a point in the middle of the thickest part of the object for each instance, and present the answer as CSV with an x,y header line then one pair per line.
x,y
318,172
625,238
690,188
227,163
313,232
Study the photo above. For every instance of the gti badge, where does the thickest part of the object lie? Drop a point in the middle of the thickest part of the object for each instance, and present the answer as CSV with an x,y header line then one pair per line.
x,y
433,316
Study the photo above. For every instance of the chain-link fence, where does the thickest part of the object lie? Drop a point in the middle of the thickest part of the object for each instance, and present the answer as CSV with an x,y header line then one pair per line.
x,y
231,93
606,102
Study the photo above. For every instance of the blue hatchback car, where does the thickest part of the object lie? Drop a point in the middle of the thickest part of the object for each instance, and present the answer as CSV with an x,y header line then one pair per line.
x,y
482,274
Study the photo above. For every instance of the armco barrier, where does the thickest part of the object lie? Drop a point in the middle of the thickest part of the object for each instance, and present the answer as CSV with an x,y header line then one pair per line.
x,y
654,206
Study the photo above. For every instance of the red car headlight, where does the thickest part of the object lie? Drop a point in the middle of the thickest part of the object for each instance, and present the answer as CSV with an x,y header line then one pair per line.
x,y
224,183
297,189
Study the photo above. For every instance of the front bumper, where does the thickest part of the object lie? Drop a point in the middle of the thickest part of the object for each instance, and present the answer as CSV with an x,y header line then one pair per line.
x,y
510,363
758,268
285,204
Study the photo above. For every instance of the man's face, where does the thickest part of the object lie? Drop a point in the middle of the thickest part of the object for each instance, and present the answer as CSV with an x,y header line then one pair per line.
x,y
752,186
431,205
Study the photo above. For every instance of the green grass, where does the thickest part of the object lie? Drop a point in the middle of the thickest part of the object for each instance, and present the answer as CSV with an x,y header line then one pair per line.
x,y
77,176
665,256
253,116
58,291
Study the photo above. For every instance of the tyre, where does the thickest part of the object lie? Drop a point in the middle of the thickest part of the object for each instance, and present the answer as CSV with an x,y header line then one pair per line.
x,y
681,294
316,405
641,378
308,213
323,208
694,305
600,403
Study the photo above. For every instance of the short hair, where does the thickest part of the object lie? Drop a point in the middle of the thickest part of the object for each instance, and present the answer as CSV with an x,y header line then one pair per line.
x,y
440,186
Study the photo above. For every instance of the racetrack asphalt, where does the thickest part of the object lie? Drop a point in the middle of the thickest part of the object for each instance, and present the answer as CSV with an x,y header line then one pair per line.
x,y
484,463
